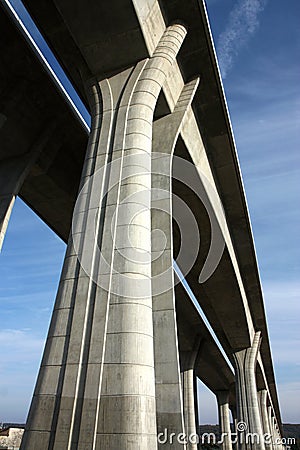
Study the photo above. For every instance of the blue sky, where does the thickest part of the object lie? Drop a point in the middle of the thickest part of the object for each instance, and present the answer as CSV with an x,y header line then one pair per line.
x,y
258,45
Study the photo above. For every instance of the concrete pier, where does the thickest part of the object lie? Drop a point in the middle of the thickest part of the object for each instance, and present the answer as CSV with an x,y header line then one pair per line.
x,y
262,398
190,395
248,413
169,402
224,419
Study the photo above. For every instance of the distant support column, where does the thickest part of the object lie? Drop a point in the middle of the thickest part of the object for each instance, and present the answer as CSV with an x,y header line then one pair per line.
x,y
224,419
234,424
13,172
246,395
262,396
169,402
277,435
271,427
190,396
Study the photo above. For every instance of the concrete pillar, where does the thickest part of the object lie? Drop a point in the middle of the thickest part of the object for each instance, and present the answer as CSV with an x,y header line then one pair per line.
x,y
224,419
234,428
271,427
249,421
96,385
262,397
169,401
277,435
190,397
189,388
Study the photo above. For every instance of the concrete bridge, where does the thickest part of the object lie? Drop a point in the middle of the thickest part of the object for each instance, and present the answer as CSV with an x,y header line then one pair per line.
x,y
158,175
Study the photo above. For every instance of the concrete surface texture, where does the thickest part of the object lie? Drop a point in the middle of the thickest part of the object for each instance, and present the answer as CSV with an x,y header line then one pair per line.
x,y
126,343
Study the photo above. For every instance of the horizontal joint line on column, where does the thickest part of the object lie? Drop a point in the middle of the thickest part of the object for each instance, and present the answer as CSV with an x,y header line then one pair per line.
x,y
138,133
155,68
148,79
139,118
130,332
136,148
161,47
139,91
129,434
167,40
52,365
131,303
136,163
130,272
142,104
128,395
148,252
58,335
164,55
127,364
155,311
172,30
62,307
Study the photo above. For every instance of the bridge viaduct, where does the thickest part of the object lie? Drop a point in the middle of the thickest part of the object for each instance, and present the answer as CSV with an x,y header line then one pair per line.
x,y
158,174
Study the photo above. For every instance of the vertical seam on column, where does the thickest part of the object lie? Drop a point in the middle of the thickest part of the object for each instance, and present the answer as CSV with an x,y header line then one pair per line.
x,y
112,259
70,317
87,310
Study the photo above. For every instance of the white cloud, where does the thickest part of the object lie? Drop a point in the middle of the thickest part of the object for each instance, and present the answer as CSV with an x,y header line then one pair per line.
x,y
242,24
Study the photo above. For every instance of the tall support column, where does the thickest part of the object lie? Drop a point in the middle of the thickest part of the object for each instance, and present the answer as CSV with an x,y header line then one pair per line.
x,y
169,402
262,397
96,385
224,419
247,399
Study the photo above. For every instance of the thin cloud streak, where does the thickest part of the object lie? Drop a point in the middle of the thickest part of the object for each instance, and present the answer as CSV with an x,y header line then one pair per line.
x,y
242,24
